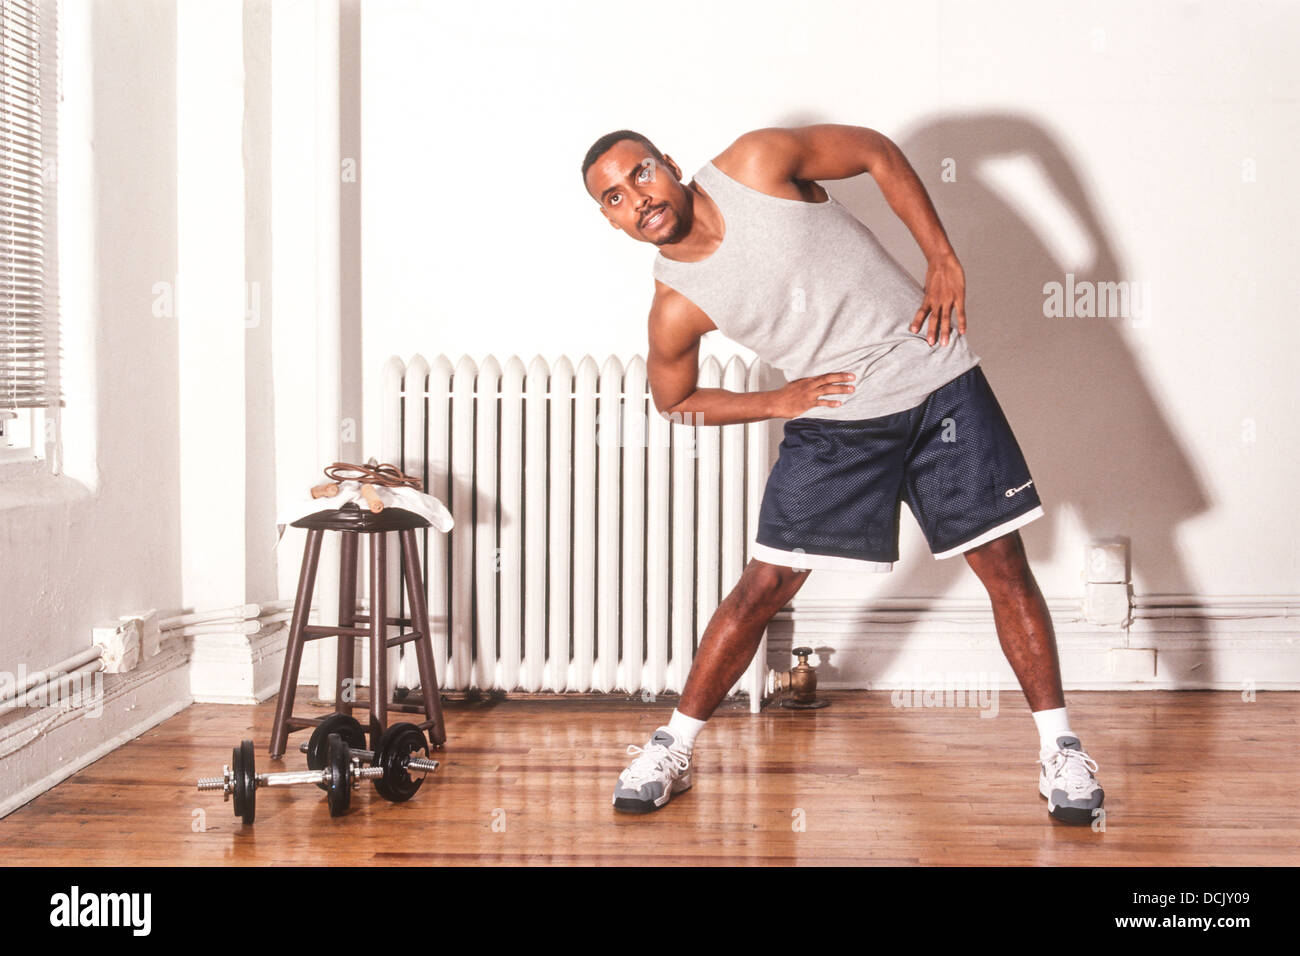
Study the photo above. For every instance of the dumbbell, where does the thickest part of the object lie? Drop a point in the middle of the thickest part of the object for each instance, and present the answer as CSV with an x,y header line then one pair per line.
x,y
341,774
347,727
394,756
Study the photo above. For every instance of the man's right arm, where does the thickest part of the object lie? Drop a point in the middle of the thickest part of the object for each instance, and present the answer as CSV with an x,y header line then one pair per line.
x,y
676,327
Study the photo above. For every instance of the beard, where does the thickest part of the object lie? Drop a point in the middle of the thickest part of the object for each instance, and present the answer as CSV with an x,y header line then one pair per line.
x,y
681,223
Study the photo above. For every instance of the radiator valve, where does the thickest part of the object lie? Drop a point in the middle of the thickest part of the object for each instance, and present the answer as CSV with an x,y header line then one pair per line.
x,y
801,682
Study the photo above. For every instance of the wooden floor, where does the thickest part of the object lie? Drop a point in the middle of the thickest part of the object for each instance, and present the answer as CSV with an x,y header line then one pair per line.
x,y
1193,778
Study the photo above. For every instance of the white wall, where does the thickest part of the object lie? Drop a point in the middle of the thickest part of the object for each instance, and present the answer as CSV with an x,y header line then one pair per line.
x,y
1102,140
103,538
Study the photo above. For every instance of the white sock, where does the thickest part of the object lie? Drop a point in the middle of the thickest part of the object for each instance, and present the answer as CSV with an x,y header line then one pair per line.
x,y
685,728
1052,724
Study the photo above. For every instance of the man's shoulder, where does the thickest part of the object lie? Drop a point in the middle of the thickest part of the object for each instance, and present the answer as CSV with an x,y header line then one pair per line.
x,y
765,160
763,146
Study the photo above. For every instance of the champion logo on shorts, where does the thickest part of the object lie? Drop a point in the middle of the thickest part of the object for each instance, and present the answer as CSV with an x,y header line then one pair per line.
x,y
1012,491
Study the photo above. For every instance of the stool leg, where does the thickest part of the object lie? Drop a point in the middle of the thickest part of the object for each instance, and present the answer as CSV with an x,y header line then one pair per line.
x,y
293,653
424,643
378,635
346,692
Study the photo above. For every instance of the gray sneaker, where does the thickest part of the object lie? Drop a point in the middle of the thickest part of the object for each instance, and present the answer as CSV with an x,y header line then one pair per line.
x,y
662,768
1065,779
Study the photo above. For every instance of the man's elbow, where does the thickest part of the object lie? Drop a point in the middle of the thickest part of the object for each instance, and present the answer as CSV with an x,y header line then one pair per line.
x,y
673,413
882,153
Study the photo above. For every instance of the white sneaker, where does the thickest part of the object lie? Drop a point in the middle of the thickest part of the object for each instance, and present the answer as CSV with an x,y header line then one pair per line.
x,y
662,768
1065,779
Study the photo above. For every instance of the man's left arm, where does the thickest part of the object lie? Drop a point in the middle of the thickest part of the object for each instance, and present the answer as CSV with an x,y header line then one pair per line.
x,y
834,151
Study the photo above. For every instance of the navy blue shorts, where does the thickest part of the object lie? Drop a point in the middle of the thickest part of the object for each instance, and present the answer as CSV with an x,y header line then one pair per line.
x,y
832,498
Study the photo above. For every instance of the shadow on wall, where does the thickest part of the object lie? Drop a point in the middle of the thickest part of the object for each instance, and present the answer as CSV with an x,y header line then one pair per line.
x,y
1093,434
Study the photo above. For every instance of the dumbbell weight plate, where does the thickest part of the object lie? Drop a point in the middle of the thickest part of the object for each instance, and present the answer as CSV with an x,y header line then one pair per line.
x,y
245,769
396,746
318,745
340,785
236,779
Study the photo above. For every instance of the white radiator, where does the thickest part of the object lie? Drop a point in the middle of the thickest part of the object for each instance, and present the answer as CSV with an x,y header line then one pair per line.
x,y
593,537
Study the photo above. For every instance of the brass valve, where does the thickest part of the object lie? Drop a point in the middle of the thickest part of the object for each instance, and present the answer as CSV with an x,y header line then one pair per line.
x,y
801,681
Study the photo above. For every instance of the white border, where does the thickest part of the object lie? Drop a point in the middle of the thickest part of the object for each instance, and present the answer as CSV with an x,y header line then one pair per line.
x,y
803,561
999,531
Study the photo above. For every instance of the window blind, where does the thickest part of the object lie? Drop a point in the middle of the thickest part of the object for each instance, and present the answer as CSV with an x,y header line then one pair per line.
x,y
28,327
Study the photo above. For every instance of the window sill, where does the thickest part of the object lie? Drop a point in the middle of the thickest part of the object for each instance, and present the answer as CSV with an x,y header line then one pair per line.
x,y
21,464
23,487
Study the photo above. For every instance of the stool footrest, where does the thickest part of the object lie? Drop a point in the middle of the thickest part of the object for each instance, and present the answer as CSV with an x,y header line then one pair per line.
x,y
314,632
394,621
404,639
363,703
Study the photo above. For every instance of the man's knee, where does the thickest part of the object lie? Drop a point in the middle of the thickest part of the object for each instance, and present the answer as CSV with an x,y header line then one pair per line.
x,y
1002,562
763,583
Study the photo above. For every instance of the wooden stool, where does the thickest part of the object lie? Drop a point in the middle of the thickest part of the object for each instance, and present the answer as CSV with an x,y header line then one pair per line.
x,y
352,521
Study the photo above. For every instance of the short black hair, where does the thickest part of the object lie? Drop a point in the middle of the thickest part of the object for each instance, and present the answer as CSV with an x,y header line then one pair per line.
x,y
602,145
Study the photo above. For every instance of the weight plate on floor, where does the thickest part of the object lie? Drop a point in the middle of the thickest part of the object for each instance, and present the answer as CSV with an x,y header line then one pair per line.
x,y
396,747
237,779
246,778
340,785
318,746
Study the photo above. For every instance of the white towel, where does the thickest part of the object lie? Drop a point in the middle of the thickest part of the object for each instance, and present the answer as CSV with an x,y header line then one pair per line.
x,y
403,497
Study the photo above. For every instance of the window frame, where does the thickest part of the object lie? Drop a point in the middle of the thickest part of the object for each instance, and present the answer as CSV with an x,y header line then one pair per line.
x,y
29,432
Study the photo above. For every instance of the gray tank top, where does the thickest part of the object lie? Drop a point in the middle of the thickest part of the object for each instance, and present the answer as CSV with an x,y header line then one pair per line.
x,y
810,289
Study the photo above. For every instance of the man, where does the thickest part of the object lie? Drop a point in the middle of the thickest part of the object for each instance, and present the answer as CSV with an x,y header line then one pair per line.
x,y
878,412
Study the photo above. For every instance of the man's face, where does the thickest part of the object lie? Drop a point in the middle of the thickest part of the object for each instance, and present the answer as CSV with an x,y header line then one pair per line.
x,y
641,195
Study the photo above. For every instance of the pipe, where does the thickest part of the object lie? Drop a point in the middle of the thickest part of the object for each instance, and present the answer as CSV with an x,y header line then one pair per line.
x,y
237,627
239,611
20,703
43,677
250,625
1211,601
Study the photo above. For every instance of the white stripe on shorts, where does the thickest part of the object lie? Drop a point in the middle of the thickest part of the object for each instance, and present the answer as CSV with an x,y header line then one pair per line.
x,y
1004,528
803,561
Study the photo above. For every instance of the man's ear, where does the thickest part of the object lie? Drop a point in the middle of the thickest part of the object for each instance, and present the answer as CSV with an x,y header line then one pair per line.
x,y
606,215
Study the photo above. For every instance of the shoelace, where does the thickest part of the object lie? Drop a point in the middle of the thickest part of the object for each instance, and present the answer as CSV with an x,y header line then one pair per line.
x,y
654,760
1075,766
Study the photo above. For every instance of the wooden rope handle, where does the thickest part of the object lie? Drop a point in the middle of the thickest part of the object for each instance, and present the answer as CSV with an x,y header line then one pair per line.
x,y
368,492
327,490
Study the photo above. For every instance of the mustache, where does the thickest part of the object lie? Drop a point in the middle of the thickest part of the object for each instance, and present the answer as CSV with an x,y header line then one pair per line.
x,y
651,213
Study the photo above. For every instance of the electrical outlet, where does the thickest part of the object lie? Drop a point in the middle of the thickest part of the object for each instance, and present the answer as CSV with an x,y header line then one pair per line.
x,y
1133,663
120,641
150,633
1106,603
1106,562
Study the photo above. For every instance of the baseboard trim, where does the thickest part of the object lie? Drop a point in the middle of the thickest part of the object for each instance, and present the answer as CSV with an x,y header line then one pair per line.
x,y
1240,643
237,668
35,747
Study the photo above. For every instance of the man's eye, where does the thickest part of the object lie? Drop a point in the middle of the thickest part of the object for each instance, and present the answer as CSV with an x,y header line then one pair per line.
x,y
644,170
613,200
